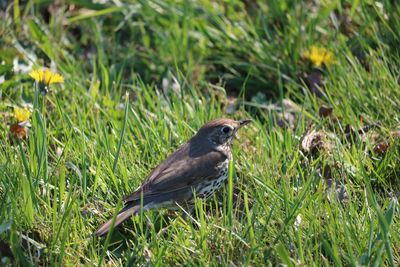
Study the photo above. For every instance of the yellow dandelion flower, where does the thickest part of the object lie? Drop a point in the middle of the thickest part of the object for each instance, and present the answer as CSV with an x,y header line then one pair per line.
x,y
21,114
319,55
46,76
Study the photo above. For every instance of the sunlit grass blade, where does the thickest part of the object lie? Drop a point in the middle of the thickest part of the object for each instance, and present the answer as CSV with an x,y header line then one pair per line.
x,y
121,138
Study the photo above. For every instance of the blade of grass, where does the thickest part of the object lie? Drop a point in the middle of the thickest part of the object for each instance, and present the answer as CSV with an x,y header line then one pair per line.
x,y
121,138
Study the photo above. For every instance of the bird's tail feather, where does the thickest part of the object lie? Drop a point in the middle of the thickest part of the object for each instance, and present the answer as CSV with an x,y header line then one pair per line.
x,y
123,215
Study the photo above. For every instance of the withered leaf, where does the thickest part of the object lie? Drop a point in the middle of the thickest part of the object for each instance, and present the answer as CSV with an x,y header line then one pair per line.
x,y
18,131
381,148
395,134
315,141
325,111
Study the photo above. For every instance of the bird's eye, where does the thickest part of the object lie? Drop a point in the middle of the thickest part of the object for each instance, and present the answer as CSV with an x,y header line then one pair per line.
x,y
226,129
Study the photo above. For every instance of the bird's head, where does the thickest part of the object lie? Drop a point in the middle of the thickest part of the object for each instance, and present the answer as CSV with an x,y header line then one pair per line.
x,y
221,131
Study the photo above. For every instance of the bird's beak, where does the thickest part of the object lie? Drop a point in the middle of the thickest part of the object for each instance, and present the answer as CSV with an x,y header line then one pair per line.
x,y
244,122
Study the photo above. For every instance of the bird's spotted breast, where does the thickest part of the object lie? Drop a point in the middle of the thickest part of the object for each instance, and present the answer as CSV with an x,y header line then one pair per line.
x,y
206,189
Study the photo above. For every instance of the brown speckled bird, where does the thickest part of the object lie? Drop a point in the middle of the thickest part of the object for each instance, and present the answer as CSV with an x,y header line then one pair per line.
x,y
199,166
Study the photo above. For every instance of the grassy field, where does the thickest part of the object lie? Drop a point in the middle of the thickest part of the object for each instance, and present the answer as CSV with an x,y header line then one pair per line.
x,y
314,180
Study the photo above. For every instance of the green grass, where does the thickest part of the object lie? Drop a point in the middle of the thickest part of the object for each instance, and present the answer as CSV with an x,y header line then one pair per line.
x,y
142,76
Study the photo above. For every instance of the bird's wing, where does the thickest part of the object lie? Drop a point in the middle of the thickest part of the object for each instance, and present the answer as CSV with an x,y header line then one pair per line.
x,y
184,168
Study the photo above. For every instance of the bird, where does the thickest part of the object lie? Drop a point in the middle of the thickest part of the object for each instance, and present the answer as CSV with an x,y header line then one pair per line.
x,y
196,168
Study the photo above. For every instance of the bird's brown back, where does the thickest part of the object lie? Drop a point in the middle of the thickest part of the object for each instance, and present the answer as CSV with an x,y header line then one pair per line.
x,y
192,163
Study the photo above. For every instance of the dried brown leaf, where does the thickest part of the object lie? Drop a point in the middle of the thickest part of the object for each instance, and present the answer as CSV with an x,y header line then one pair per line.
x,y
381,147
325,111
315,141
18,131
395,134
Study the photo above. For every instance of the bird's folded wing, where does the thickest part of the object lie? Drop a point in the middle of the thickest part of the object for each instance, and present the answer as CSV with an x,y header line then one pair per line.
x,y
184,168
